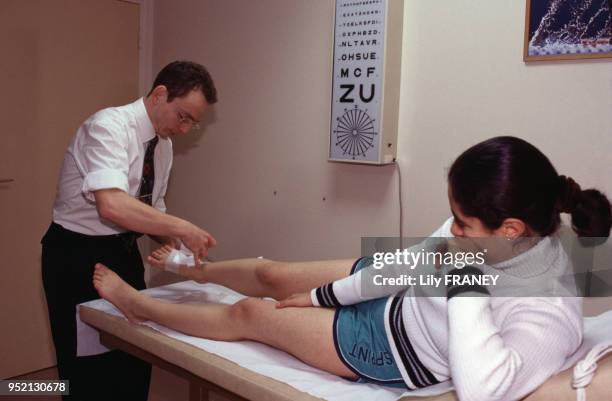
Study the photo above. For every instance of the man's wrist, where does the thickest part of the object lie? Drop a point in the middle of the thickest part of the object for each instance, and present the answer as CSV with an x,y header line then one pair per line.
x,y
180,228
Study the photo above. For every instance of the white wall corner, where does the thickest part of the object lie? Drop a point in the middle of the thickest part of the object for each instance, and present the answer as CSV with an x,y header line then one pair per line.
x,y
145,44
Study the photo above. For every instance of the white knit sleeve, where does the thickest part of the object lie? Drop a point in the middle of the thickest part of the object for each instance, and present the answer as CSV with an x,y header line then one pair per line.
x,y
368,283
346,291
506,363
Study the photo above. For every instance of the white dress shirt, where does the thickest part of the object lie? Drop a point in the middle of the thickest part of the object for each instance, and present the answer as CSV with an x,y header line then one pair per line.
x,y
108,152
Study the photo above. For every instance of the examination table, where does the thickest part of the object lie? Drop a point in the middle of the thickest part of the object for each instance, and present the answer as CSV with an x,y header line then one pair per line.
x,y
254,371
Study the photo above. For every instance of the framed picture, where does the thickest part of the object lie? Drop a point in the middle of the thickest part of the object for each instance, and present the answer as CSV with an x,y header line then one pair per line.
x,y
567,29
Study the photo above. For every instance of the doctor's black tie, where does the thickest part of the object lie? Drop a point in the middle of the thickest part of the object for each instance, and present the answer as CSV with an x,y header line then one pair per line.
x,y
145,194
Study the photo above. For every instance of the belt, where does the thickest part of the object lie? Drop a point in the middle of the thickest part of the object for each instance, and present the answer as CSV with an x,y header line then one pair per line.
x,y
57,232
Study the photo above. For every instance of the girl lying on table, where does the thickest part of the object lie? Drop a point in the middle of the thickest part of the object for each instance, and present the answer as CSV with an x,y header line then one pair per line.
x,y
492,348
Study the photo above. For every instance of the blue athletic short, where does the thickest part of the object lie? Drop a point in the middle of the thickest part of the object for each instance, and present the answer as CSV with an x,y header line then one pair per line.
x,y
361,340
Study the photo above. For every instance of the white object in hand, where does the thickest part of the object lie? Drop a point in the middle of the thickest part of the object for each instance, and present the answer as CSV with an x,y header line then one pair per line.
x,y
178,257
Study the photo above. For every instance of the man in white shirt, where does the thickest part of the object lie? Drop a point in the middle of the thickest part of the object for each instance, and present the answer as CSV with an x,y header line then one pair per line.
x,y
111,188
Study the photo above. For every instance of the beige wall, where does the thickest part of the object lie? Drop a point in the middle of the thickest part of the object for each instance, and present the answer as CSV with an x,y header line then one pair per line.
x,y
271,62
463,80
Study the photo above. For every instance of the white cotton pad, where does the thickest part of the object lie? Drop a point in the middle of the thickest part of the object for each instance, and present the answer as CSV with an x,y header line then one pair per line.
x,y
178,258
171,268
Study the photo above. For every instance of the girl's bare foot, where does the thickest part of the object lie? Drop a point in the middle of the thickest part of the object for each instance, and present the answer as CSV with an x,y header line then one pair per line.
x,y
162,258
159,257
116,291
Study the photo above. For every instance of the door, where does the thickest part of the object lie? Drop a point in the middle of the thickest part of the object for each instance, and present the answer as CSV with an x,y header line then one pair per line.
x,y
61,61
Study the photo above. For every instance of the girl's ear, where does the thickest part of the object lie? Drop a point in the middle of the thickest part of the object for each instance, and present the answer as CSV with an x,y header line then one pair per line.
x,y
512,228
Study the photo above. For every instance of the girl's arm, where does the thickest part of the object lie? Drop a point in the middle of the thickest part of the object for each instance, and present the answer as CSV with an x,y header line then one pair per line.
x,y
359,287
488,362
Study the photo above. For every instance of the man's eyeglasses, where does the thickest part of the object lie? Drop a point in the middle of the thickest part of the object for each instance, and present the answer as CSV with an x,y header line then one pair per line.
x,y
184,119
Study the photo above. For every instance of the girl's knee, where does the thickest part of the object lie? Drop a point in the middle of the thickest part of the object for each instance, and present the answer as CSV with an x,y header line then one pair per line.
x,y
270,274
249,310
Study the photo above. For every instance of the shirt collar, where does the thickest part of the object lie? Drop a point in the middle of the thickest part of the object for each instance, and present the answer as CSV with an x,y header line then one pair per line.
x,y
146,131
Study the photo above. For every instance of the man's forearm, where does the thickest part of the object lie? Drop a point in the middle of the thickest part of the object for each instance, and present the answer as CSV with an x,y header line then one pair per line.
x,y
122,209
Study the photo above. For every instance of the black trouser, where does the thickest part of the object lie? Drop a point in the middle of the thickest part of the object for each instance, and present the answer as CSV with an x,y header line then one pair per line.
x,y
68,261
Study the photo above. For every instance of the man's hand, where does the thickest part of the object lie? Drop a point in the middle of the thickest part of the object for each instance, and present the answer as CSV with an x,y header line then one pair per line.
x,y
297,300
197,241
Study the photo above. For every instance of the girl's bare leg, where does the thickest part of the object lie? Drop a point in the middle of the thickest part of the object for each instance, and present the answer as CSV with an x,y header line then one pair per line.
x,y
263,277
305,333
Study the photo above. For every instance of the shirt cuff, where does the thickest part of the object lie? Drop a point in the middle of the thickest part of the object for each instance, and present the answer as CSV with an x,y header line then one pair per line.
x,y
313,298
103,179
325,296
160,205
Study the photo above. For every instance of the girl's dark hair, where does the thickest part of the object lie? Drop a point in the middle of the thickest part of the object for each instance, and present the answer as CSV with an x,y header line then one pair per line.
x,y
507,177
181,77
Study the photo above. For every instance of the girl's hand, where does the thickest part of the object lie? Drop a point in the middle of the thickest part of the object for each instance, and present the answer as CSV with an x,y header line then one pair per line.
x,y
296,300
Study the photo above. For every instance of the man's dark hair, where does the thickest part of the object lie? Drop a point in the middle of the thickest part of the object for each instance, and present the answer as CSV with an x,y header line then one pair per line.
x,y
181,77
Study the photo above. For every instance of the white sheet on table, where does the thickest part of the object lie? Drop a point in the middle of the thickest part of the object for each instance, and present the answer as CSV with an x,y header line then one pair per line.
x,y
279,365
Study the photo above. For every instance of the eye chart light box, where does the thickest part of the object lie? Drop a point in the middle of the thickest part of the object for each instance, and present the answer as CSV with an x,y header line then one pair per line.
x,y
366,81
